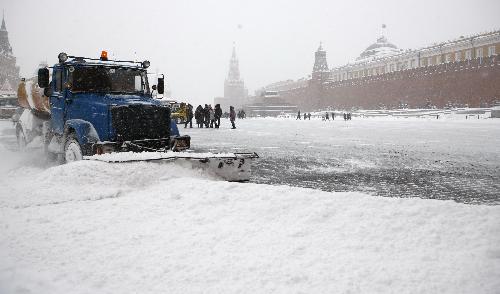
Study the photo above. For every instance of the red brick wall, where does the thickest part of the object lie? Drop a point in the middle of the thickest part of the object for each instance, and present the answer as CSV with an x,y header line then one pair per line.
x,y
475,83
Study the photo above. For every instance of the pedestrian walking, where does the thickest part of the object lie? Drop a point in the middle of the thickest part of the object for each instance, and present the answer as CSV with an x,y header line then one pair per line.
x,y
211,115
305,115
198,115
232,116
327,117
309,116
217,114
189,116
206,116
298,116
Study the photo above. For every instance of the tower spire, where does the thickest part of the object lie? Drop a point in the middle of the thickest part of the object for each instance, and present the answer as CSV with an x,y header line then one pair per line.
x,y
3,21
383,30
9,72
320,68
234,71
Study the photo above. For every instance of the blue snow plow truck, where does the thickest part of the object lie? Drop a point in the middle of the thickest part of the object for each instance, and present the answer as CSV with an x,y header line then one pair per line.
x,y
96,106
90,107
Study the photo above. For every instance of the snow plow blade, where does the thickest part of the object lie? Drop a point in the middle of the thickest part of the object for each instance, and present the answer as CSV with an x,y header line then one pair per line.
x,y
233,167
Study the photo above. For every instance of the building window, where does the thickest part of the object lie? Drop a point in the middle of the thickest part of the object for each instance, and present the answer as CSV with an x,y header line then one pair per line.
x,y
468,55
429,61
447,58
479,53
458,56
438,59
491,51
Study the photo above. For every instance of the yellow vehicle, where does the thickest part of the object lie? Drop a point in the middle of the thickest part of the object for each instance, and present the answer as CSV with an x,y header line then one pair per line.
x,y
180,114
178,111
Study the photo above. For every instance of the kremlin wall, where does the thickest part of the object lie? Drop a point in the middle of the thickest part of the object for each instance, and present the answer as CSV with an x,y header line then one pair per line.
x,y
460,73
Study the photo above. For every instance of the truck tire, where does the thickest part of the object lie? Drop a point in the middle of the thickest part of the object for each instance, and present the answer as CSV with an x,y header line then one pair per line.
x,y
72,149
21,138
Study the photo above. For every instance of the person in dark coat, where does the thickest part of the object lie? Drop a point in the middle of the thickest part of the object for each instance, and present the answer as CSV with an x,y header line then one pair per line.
x,y
206,116
298,115
232,116
327,116
189,117
309,116
198,115
218,114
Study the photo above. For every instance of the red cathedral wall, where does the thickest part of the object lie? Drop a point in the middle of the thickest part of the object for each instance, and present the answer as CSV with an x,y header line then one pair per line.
x,y
475,83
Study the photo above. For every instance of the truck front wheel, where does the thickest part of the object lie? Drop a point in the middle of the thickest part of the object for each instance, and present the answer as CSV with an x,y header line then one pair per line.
x,y
72,149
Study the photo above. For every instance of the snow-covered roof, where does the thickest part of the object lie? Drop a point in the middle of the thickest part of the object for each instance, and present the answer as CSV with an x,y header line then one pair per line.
x,y
381,48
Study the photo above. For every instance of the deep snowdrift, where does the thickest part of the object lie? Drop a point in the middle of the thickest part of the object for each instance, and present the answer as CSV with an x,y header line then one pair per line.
x,y
93,227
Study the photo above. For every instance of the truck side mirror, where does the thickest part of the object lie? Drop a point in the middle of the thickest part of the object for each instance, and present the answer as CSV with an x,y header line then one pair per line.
x,y
43,77
161,85
47,91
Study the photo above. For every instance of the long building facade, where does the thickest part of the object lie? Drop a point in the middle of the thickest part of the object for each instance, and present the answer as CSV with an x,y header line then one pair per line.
x,y
460,73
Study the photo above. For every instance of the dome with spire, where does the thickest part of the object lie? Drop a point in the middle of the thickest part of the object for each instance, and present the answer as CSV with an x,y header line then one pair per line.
x,y
379,49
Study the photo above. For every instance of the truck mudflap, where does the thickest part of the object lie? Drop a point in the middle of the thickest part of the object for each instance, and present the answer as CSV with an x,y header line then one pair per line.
x,y
232,167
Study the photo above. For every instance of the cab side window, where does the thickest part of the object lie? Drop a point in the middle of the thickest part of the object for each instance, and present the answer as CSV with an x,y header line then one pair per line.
x,y
58,80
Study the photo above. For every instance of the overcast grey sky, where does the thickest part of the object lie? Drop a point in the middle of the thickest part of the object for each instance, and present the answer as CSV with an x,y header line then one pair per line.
x,y
191,41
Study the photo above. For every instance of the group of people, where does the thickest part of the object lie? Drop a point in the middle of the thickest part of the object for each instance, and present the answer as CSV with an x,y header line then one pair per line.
x,y
207,116
347,116
306,115
241,114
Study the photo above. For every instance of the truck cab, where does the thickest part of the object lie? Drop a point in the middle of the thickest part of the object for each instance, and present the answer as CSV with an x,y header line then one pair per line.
x,y
101,106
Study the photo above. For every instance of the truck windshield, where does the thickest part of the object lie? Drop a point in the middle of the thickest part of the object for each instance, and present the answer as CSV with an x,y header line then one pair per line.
x,y
109,80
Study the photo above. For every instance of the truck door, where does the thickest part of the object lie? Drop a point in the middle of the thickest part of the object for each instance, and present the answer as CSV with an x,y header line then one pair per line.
x,y
57,102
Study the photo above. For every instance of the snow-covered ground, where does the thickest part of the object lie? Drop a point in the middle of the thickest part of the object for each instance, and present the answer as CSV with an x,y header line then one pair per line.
x,y
95,227
446,158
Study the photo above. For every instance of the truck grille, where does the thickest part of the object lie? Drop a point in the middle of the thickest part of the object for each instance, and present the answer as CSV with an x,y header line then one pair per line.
x,y
139,122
